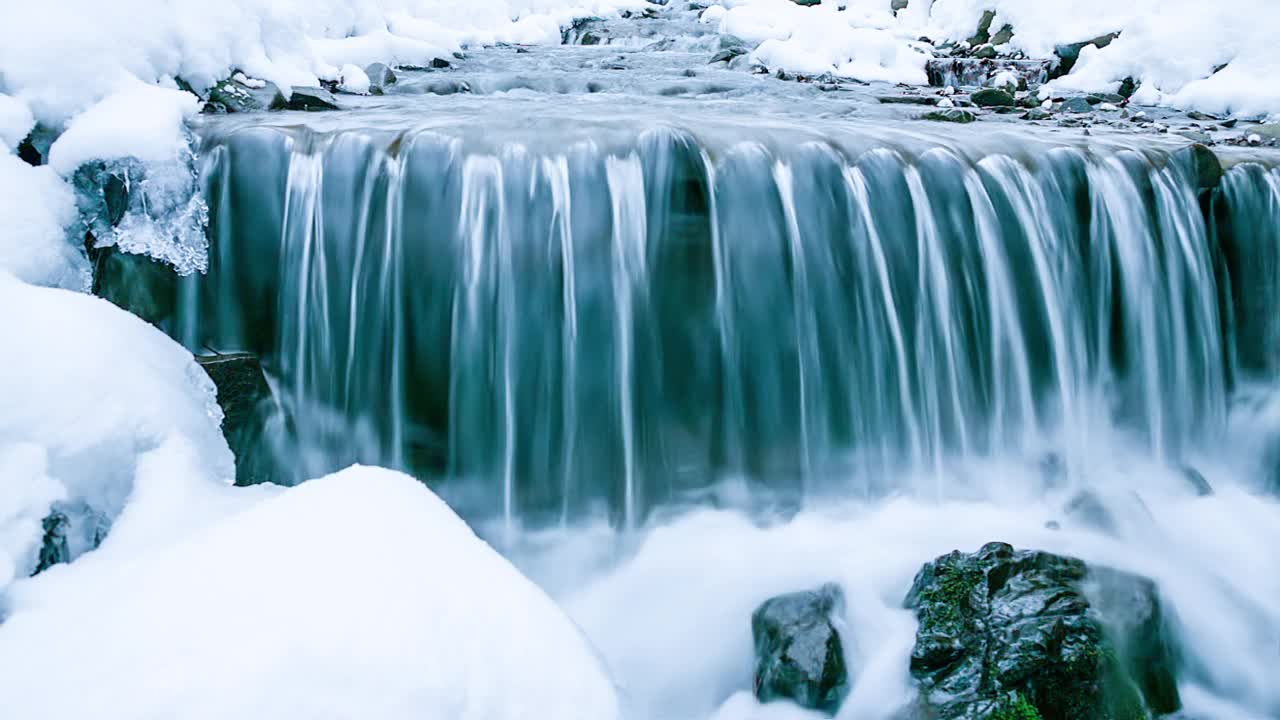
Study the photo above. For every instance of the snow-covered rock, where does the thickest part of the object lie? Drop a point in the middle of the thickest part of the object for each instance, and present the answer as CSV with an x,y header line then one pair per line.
x,y
37,207
358,595
97,406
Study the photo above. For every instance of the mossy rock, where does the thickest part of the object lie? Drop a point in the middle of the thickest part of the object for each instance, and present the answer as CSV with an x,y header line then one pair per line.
x,y
1028,635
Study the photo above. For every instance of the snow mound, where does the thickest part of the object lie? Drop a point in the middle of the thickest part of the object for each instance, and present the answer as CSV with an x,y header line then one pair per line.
x,y
1190,54
356,595
64,56
37,208
96,404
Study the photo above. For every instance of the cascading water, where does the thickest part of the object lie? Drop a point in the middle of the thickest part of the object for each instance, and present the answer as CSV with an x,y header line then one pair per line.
x,y
624,323
674,371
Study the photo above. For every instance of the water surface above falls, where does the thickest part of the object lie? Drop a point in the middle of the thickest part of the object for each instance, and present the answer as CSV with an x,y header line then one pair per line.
x,y
575,288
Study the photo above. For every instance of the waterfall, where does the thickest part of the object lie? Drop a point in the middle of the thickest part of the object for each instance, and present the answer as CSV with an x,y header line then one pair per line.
x,y
628,319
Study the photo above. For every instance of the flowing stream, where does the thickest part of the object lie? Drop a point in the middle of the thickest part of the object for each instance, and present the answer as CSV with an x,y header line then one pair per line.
x,y
679,341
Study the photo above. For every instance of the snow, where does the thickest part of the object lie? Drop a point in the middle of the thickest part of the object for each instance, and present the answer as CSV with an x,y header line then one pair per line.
x,y
356,595
96,402
15,122
1172,48
142,121
38,207
354,80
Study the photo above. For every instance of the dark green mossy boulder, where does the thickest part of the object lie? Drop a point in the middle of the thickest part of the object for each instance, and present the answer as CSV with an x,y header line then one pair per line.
x,y
1028,635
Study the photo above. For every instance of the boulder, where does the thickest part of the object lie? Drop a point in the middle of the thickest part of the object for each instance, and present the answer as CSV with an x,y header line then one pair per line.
x,y
1077,105
799,654
247,409
993,97
136,283
231,96
1021,635
983,33
1069,53
380,77
951,115
1203,168
306,98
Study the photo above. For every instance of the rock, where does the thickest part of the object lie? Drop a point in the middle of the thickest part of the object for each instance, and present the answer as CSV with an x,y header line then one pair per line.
x,y
898,5
53,548
726,54
138,284
807,3
1088,509
1008,634
306,98
985,52
1193,476
952,115
799,654
247,408
1100,98
1037,114
1077,105
1204,167
1004,35
1266,130
1134,620
907,100
983,34
1128,87
380,77
993,97
34,148
230,96
1070,53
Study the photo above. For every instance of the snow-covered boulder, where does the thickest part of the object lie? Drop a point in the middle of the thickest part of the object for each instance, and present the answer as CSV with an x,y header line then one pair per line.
x,y
358,595
96,404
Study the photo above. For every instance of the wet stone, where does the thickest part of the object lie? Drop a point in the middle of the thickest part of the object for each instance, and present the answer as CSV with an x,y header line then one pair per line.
x,y
950,115
247,408
799,654
1008,634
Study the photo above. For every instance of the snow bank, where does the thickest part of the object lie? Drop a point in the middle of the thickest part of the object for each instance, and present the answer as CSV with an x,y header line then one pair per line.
x,y
854,39
36,207
96,403
1175,49
64,56
356,595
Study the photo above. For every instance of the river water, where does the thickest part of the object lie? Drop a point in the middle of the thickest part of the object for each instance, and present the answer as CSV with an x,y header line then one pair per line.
x,y
678,337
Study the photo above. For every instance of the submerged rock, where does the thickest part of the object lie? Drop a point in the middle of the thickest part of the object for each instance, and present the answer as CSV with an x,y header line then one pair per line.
x,y
247,406
1013,635
1196,480
1204,167
799,655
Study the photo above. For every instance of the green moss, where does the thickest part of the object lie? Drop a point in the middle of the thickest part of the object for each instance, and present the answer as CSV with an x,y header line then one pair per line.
x,y
948,599
1017,709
